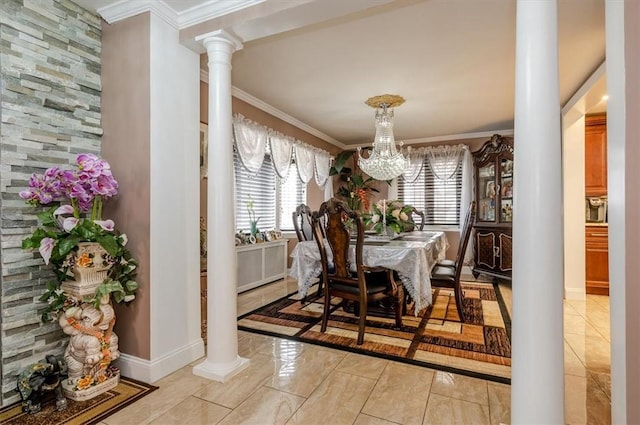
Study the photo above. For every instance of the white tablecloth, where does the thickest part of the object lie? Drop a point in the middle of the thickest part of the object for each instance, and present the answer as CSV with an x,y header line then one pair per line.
x,y
413,255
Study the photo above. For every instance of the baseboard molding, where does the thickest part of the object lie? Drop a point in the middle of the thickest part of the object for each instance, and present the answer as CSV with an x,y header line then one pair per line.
x,y
575,294
150,371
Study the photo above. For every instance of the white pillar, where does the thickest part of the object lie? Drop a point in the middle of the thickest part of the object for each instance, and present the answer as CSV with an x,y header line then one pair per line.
x,y
222,360
537,372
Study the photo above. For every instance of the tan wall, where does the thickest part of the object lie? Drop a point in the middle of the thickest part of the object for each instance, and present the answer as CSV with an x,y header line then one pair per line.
x,y
125,144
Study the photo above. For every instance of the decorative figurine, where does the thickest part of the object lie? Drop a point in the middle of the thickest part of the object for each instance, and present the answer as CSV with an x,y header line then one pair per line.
x,y
39,378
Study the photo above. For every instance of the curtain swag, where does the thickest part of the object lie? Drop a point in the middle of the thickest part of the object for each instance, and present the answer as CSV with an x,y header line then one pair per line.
x,y
447,158
254,140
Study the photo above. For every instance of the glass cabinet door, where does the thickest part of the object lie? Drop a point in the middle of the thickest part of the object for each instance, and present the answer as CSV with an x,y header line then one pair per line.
x,y
487,192
506,190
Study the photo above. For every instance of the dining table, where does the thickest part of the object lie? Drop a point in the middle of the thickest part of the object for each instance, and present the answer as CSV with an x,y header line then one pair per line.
x,y
412,255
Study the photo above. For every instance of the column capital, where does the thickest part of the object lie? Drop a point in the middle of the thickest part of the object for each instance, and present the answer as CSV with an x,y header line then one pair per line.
x,y
220,36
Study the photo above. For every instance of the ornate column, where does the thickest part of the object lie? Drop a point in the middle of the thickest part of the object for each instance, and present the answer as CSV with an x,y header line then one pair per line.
x,y
222,332
537,373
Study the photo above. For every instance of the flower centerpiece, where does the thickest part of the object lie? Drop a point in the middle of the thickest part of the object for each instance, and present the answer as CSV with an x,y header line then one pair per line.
x,y
92,267
75,217
389,215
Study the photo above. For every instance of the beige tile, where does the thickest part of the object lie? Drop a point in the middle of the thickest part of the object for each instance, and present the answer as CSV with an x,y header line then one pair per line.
x,y
282,349
499,403
365,366
585,402
250,344
401,394
579,325
593,351
445,410
460,387
604,380
363,419
265,407
302,375
572,364
338,400
173,389
230,394
193,411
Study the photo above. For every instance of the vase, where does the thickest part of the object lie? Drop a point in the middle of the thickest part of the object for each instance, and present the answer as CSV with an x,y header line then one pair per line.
x,y
90,266
92,347
389,232
93,344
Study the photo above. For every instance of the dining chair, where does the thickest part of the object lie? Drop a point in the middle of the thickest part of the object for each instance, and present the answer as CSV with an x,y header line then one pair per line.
x,y
302,221
366,284
303,225
449,277
468,223
420,214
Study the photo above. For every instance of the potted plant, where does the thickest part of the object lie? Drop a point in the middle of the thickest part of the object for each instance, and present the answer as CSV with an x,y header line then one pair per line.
x,y
92,267
356,189
73,220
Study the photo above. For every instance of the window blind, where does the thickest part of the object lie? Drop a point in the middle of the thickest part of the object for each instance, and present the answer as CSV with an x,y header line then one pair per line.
x,y
292,192
274,199
261,188
439,199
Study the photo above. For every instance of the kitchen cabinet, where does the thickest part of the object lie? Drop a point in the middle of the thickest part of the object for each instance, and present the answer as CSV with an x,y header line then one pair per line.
x,y
597,260
493,240
595,155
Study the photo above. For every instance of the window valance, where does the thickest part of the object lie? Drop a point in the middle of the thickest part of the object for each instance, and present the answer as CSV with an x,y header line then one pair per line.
x,y
254,140
444,161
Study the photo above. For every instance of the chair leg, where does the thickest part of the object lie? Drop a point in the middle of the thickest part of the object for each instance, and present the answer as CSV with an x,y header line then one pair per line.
x,y
325,312
400,306
320,285
458,295
361,322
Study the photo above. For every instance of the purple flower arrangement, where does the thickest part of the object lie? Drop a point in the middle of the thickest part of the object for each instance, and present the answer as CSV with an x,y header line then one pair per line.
x,y
75,217
85,187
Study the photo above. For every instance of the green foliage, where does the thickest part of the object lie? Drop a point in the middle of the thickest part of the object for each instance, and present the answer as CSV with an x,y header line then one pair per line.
x,y
120,282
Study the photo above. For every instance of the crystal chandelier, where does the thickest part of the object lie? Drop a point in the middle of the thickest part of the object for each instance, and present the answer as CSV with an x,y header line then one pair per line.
x,y
385,162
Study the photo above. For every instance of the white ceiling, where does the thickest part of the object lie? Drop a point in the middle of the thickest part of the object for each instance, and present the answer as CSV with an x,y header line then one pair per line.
x,y
452,60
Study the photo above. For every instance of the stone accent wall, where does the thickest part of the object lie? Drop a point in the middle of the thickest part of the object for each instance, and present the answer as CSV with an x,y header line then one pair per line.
x,y
50,92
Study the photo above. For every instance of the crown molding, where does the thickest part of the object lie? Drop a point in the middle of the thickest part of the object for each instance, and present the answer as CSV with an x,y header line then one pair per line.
x,y
125,9
179,20
272,110
211,10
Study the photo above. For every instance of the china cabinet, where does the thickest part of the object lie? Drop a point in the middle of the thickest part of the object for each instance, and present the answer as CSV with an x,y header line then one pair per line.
x,y
493,164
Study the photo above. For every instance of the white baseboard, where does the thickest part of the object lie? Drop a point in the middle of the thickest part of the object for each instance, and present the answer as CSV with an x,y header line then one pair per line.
x,y
575,294
150,371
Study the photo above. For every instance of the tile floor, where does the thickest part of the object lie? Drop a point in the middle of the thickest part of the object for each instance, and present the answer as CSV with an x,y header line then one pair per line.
x,y
293,383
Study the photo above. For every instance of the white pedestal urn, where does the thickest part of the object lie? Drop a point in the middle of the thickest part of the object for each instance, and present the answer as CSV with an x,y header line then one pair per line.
x,y
93,344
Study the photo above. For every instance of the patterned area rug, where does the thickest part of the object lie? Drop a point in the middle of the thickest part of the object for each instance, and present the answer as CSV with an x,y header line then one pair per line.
x,y
481,347
79,413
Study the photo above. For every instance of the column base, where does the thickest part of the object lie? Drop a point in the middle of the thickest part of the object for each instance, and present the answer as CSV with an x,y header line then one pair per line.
x,y
221,372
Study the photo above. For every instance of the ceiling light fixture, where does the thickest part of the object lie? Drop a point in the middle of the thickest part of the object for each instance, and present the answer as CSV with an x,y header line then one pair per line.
x,y
385,162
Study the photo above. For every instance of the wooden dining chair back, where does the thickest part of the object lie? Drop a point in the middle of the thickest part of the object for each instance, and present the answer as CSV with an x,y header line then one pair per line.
x,y
468,223
302,222
354,282
449,277
419,214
